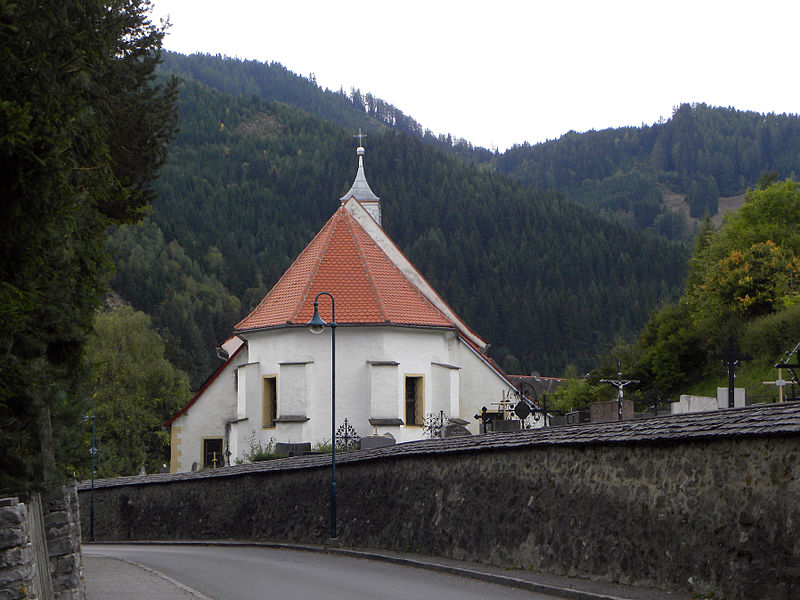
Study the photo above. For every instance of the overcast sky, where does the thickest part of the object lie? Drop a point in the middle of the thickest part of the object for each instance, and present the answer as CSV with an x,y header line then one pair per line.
x,y
503,72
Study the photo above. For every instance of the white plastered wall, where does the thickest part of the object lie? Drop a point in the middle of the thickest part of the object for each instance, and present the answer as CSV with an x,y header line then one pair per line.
x,y
371,365
206,418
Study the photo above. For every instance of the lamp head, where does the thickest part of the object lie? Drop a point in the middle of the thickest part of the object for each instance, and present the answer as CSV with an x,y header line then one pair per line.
x,y
316,325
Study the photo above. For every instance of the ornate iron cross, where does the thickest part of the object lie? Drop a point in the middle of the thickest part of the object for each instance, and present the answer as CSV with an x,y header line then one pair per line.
x,y
346,436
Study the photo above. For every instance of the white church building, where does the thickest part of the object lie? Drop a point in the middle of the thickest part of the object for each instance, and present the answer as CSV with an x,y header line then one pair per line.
x,y
401,353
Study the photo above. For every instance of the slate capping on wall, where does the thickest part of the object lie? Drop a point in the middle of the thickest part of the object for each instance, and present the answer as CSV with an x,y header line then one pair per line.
x,y
757,420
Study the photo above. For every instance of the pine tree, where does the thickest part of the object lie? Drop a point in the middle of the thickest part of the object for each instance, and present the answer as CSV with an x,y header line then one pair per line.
x,y
79,157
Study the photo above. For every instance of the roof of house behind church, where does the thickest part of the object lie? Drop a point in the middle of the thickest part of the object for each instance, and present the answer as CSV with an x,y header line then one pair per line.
x,y
345,261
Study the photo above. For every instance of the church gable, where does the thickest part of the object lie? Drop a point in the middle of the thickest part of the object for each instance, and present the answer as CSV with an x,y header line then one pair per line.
x,y
344,260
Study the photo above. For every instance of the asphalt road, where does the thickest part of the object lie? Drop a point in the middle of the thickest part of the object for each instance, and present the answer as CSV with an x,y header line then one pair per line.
x,y
245,573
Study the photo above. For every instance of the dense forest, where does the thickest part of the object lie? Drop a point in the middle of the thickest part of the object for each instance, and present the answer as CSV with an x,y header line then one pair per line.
x,y
275,83
700,154
249,182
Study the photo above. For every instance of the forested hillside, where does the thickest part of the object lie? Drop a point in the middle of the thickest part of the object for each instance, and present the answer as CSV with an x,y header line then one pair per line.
x,y
350,109
632,175
742,294
702,152
249,182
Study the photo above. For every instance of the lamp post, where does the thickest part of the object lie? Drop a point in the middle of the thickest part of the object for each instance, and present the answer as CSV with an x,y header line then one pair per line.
x,y
317,325
93,454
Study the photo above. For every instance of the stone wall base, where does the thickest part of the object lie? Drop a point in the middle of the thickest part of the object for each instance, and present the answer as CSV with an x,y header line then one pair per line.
x,y
30,571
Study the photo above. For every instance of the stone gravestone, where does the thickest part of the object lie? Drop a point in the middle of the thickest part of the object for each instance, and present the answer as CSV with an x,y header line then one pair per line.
x,y
605,412
738,397
503,425
577,416
290,449
693,404
454,430
377,441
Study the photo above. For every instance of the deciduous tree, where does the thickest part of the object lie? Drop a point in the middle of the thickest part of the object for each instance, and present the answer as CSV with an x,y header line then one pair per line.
x,y
135,390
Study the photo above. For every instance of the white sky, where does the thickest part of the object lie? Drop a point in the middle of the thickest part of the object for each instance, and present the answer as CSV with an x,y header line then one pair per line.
x,y
503,72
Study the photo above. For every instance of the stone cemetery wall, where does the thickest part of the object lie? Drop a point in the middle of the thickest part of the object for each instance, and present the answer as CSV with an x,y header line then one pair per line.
x,y
40,539
707,502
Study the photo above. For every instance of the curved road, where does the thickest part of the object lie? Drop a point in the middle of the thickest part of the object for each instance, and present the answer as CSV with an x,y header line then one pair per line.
x,y
245,573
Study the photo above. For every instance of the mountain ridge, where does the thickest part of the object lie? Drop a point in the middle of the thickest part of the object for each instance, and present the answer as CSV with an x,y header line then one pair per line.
x,y
701,153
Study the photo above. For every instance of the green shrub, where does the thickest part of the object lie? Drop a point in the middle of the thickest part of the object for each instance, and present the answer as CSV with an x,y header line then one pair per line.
x,y
258,450
772,335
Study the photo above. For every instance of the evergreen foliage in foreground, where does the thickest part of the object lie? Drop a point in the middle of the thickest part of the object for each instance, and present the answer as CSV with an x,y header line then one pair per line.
x,y
83,130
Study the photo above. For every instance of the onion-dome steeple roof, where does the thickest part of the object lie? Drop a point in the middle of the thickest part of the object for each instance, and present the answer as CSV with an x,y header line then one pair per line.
x,y
360,189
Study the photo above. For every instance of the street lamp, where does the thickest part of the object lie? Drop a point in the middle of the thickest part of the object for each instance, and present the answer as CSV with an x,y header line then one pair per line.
x,y
316,325
93,453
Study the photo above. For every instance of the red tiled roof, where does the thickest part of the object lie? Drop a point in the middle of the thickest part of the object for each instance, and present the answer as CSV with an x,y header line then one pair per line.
x,y
345,261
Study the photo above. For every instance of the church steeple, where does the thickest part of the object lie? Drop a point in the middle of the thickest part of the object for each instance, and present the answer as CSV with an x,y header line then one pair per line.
x,y
360,189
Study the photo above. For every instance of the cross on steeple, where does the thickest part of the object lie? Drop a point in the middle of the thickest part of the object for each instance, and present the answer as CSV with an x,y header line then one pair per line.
x,y
360,137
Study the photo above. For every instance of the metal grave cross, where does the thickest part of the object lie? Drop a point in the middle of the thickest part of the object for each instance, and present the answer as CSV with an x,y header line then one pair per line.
x,y
434,424
346,437
731,358
619,383
525,407
658,402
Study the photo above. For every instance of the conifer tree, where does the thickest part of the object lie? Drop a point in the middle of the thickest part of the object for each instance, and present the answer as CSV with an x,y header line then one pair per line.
x,y
84,128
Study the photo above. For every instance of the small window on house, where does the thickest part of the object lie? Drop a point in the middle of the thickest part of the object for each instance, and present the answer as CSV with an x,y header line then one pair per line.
x,y
415,402
269,406
213,458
